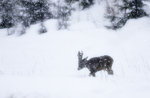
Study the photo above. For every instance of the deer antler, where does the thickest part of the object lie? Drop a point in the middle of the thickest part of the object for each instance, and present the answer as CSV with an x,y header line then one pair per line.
x,y
80,54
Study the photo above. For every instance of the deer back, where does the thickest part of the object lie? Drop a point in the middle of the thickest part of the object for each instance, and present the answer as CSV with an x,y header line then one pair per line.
x,y
99,63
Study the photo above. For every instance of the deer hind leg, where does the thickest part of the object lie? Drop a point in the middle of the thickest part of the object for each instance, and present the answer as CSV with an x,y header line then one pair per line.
x,y
110,71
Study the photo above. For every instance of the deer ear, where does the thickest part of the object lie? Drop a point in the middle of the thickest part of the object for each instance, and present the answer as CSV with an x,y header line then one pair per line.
x,y
80,53
86,57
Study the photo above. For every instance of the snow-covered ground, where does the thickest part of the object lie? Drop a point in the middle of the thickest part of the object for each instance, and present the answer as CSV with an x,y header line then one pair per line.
x,y
45,66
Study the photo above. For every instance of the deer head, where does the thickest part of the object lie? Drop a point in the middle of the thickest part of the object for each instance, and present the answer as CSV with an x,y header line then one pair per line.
x,y
81,62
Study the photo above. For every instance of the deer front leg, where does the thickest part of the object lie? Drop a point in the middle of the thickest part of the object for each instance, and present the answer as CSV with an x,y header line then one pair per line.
x,y
92,73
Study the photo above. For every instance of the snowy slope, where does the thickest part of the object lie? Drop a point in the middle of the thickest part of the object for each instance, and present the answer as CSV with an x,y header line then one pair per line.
x,y
45,66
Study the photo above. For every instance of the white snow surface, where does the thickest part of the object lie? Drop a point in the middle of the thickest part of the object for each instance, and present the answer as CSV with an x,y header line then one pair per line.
x,y
45,66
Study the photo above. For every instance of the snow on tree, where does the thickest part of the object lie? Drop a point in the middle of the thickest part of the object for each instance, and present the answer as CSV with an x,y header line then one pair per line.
x,y
21,14
14,13
82,3
119,12
6,14
63,13
133,8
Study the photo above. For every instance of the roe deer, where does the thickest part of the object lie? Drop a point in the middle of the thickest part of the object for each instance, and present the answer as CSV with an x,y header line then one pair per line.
x,y
95,64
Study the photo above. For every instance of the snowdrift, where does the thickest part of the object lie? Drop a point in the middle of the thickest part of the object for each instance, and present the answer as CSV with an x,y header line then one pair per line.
x,y
45,66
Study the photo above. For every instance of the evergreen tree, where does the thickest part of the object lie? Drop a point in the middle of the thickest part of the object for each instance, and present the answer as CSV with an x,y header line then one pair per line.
x,y
63,14
133,8
23,13
6,14
128,9
83,3
71,1
9,12
37,10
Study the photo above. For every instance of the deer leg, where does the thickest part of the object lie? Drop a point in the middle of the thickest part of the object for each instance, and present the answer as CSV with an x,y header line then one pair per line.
x,y
110,71
92,73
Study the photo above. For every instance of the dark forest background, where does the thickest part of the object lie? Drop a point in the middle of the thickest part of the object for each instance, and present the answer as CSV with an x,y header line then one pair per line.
x,y
27,12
